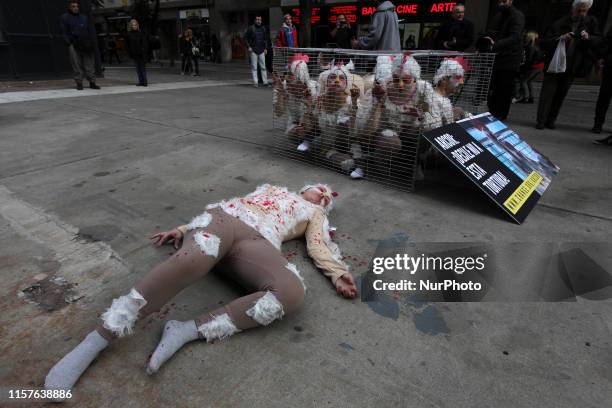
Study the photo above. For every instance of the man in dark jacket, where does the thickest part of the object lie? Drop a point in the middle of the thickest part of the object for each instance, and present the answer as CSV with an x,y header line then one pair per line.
x,y
505,39
75,30
383,33
257,41
580,33
456,34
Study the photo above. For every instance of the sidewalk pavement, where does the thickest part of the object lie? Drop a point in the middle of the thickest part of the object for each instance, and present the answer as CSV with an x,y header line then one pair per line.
x,y
84,180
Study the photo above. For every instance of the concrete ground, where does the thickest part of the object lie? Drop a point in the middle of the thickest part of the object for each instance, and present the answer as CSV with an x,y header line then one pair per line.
x,y
84,180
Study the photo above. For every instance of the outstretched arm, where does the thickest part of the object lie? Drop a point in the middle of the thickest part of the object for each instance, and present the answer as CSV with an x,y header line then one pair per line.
x,y
326,256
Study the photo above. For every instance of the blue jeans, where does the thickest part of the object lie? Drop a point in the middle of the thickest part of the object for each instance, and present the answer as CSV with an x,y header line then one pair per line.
x,y
142,72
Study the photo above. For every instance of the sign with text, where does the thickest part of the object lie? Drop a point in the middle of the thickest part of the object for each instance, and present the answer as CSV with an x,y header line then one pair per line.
x,y
349,12
315,15
400,9
512,173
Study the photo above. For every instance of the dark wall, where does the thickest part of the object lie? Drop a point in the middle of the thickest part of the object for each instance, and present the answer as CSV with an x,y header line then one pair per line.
x,y
33,44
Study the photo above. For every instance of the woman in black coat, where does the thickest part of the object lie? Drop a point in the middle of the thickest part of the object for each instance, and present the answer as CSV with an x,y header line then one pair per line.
x,y
137,49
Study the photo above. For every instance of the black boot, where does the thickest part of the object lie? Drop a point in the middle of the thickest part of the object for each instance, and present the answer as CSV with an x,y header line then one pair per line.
x,y
93,85
79,85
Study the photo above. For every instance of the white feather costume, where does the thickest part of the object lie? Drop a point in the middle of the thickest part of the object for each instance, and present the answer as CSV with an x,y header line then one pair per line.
x,y
296,103
336,122
441,111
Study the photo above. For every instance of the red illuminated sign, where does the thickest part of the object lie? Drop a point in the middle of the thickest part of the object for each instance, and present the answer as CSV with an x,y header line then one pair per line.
x,y
399,9
408,8
315,15
343,10
368,11
350,12
443,7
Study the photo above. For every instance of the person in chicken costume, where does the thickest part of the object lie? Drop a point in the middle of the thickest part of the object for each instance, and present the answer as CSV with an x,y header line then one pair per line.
x,y
245,233
392,113
339,92
448,80
295,96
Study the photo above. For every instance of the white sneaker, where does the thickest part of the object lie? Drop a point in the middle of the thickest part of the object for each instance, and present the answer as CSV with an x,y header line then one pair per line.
x,y
357,173
304,146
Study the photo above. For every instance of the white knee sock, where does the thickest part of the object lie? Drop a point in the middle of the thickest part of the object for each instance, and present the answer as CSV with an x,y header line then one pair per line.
x,y
67,371
176,335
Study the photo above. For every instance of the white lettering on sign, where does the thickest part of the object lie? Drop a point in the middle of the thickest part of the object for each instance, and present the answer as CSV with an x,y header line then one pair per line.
x,y
476,171
466,153
496,182
446,141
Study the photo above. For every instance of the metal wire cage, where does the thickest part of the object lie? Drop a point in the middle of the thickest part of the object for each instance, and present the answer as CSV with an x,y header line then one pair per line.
x,y
363,112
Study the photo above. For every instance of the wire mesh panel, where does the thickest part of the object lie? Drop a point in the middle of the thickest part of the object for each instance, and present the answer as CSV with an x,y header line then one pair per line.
x,y
363,112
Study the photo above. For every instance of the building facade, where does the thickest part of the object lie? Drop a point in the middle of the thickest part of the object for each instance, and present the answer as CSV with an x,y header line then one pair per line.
x,y
31,43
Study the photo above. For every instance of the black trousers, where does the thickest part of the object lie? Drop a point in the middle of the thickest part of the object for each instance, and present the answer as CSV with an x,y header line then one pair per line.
x,y
500,93
554,90
603,100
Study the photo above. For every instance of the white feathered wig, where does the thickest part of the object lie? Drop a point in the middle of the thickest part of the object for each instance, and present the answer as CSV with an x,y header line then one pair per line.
x,y
327,195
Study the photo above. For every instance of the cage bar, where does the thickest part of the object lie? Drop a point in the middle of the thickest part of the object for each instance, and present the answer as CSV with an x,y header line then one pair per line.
x,y
363,112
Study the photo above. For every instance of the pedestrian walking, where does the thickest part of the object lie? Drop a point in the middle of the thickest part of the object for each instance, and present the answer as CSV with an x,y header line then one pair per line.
x,y
577,35
137,45
196,52
75,30
457,34
186,52
531,67
257,42
287,35
383,33
504,38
